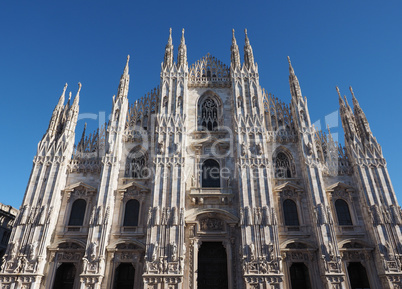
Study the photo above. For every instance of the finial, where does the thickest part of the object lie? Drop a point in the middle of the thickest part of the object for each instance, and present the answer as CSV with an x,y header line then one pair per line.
x,y
126,67
170,36
233,38
351,91
182,36
245,32
69,95
291,71
339,93
64,89
79,87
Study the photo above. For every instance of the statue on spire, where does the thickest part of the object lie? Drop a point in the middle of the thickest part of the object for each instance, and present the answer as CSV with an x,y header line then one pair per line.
x,y
182,56
234,49
248,52
168,59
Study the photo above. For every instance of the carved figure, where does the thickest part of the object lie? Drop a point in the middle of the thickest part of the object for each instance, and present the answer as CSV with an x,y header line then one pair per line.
x,y
92,250
252,251
149,219
174,251
32,250
243,149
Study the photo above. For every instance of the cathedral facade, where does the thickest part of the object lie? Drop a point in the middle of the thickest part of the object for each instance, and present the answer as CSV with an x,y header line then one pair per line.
x,y
206,182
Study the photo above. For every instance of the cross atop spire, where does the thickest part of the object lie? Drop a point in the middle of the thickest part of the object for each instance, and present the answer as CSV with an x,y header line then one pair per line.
x,y
248,52
234,49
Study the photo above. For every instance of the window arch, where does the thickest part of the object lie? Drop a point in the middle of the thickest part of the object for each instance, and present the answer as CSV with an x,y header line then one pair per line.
x,y
131,213
209,112
77,213
137,164
290,213
211,174
283,166
343,213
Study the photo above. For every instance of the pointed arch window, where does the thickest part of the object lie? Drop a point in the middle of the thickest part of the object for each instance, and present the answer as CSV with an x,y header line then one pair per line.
x,y
211,174
131,213
209,114
77,213
343,213
137,165
282,166
290,213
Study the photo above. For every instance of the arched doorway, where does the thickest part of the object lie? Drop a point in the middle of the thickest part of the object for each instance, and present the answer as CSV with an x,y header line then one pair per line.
x,y
358,276
212,266
299,276
124,276
65,276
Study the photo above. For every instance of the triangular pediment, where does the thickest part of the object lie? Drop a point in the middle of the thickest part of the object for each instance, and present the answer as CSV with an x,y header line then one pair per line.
x,y
288,185
341,185
134,184
87,187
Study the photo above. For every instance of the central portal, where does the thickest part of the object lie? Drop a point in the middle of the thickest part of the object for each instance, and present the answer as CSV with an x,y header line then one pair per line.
x,y
212,266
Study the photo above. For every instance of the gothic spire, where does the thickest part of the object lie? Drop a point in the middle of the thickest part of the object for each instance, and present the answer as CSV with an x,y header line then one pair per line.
x,y
361,119
124,81
234,49
295,89
80,146
61,99
77,97
168,59
182,56
356,105
248,52
341,103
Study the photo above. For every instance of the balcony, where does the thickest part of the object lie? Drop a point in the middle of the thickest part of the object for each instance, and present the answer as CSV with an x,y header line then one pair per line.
x,y
211,196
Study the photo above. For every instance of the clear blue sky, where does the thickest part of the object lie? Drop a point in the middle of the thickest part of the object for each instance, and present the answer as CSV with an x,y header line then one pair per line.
x,y
45,44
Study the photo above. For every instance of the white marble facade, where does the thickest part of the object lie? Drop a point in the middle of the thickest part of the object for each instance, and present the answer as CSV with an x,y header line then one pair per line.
x,y
207,182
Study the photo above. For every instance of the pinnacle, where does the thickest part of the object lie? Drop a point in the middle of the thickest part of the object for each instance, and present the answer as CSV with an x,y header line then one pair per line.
x,y
291,71
126,67
247,40
65,88
182,42
170,37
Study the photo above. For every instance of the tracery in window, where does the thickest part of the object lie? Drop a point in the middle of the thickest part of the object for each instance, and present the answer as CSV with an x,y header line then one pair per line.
x,y
283,168
209,115
343,213
137,165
